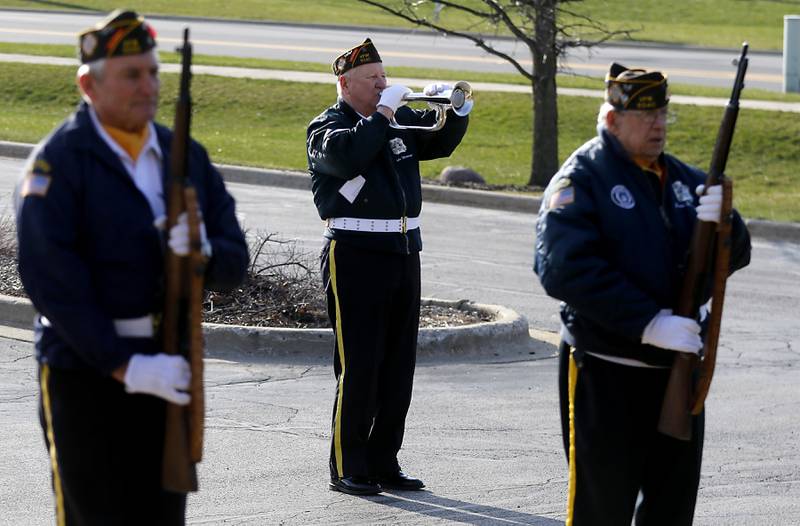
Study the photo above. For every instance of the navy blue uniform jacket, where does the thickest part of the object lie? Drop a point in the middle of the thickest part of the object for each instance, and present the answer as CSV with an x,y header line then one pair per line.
x,y
88,250
613,250
341,146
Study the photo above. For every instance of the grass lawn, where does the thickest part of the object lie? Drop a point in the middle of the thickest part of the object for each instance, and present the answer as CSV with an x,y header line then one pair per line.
x,y
721,23
262,123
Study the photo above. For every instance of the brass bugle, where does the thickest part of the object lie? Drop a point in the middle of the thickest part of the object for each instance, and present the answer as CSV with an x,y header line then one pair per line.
x,y
459,99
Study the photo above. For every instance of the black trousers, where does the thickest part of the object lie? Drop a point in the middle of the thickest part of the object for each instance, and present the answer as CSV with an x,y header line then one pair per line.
x,y
373,304
105,451
609,418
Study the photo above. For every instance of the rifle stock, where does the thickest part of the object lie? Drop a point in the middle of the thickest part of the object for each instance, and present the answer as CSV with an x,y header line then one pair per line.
x,y
197,269
181,330
679,399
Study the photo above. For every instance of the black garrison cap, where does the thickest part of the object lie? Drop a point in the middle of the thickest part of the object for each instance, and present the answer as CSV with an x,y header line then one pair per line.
x,y
121,33
364,53
635,89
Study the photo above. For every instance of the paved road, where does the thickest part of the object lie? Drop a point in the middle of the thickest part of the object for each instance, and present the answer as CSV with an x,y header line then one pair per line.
x,y
486,256
484,434
277,41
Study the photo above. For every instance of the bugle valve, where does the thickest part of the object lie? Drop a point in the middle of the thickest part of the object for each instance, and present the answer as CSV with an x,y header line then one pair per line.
x,y
459,99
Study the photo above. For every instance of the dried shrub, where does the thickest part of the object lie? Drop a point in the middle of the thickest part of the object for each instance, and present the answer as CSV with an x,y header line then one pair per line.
x,y
282,289
10,282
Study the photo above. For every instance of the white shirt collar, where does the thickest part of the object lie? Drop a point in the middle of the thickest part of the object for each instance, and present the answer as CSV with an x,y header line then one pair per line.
x,y
151,144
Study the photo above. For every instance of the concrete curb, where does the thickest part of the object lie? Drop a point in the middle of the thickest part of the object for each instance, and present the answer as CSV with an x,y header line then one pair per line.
x,y
16,312
768,230
773,230
507,329
16,150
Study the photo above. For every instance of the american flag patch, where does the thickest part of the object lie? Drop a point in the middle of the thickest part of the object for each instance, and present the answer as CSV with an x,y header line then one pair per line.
x,y
35,184
561,198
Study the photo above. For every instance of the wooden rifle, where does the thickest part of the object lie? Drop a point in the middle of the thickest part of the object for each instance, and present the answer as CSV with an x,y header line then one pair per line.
x,y
690,377
181,325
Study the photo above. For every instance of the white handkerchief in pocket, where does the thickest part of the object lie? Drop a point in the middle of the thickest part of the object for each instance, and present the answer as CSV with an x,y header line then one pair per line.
x,y
351,188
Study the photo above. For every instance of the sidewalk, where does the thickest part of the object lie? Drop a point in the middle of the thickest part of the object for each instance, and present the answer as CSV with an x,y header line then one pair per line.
x,y
325,78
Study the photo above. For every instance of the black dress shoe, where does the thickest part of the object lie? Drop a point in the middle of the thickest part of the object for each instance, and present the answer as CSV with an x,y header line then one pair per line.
x,y
401,481
355,486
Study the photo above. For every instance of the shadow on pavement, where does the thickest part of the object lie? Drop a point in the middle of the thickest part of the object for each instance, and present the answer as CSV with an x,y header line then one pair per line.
x,y
426,503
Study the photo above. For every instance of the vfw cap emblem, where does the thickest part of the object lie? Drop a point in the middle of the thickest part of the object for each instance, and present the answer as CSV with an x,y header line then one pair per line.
x,y
622,197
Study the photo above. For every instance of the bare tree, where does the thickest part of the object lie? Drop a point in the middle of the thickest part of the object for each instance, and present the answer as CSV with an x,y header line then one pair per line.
x,y
546,27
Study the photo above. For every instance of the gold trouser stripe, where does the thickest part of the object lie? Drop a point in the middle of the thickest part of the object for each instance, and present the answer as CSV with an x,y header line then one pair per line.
x,y
48,416
573,381
337,427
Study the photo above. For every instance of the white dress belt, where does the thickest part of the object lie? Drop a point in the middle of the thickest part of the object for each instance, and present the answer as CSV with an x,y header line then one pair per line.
x,y
361,224
141,327
135,327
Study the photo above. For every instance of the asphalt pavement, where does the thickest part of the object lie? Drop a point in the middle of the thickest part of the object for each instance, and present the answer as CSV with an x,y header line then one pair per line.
x,y
483,431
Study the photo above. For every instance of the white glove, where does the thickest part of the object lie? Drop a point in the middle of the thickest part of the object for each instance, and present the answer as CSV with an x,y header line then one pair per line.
x,y
675,333
179,237
163,375
436,88
392,97
710,205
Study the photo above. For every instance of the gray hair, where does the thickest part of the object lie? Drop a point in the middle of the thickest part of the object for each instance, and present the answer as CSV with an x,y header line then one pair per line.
x,y
602,115
95,68
346,75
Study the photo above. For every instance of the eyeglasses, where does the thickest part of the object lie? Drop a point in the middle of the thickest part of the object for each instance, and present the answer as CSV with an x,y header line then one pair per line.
x,y
649,117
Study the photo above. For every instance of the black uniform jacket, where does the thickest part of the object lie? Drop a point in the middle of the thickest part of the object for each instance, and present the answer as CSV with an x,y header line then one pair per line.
x,y
612,246
89,252
342,145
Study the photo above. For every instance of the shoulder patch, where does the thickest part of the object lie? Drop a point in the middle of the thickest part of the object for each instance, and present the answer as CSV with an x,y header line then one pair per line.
x,y
35,184
562,197
37,178
561,194
41,166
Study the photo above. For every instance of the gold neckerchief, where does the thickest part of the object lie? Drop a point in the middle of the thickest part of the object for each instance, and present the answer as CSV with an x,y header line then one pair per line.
x,y
131,142
654,167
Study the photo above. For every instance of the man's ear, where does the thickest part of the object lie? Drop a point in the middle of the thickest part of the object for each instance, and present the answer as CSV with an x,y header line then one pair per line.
x,y
86,83
343,84
611,120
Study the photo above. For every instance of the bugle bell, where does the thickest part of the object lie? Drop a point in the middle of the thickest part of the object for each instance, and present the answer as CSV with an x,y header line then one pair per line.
x,y
459,99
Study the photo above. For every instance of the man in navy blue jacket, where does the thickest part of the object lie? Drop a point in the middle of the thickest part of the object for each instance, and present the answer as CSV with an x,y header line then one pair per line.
x,y
90,215
366,184
612,238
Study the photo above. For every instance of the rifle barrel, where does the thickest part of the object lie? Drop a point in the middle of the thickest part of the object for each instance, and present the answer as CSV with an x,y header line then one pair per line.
x,y
675,419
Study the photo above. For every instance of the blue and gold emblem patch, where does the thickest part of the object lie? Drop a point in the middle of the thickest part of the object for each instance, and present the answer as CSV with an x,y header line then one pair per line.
x,y
37,180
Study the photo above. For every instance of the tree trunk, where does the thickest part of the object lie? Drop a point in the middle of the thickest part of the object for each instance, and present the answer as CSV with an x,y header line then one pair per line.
x,y
545,101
